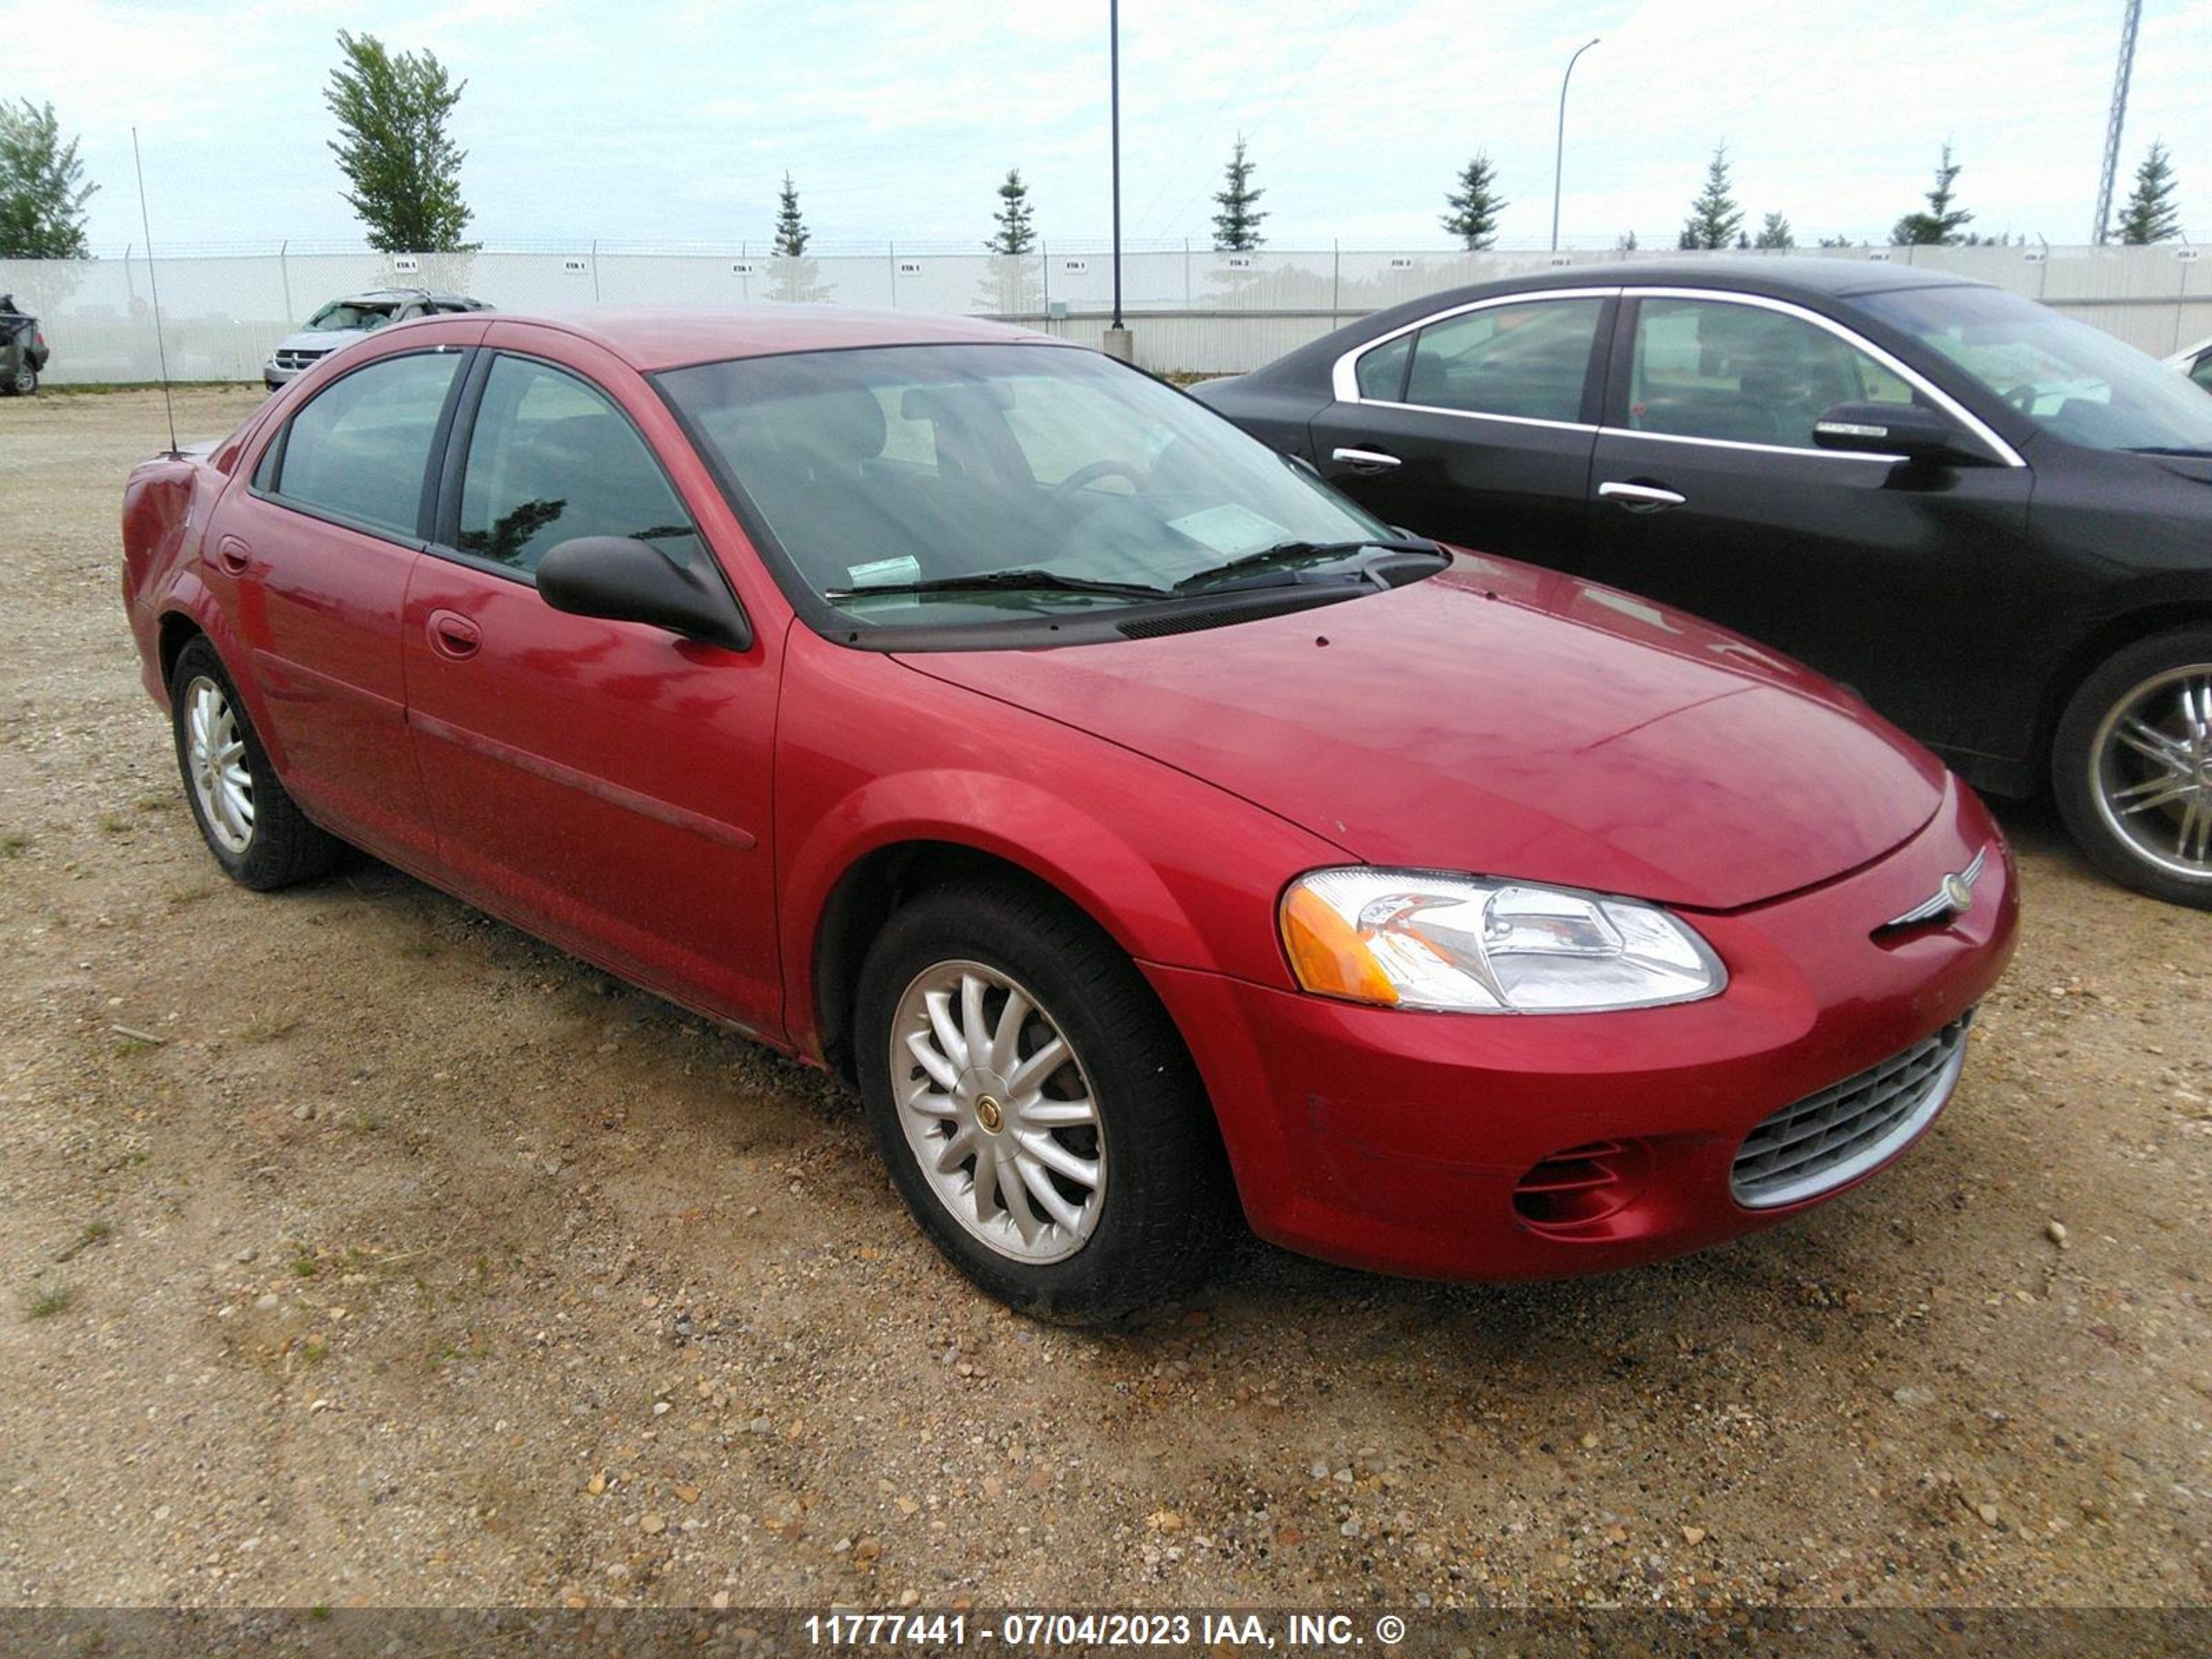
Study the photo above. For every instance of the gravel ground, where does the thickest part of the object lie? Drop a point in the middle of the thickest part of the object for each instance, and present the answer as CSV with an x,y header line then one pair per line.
x,y
361,1250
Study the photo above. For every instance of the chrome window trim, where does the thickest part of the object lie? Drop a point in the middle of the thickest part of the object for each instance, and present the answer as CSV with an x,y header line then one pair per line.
x,y
1344,373
1912,377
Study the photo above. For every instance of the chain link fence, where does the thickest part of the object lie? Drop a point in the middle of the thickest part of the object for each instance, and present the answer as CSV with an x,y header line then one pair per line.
x,y
1191,309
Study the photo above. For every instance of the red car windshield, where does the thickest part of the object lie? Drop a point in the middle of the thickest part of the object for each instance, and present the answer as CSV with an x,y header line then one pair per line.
x,y
881,470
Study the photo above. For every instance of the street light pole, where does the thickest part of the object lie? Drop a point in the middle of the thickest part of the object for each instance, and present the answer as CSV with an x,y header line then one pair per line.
x,y
1559,150
1113,75
1117,336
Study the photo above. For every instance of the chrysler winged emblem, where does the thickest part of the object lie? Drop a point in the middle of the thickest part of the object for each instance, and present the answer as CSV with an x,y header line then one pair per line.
x,y
1954,896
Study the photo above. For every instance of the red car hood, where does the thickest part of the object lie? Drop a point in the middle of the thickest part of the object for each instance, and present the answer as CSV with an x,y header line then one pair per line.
x,y
1505,720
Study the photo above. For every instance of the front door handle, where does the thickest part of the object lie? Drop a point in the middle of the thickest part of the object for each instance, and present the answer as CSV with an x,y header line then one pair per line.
x,y
233,555
1366,460
453,635
1639,497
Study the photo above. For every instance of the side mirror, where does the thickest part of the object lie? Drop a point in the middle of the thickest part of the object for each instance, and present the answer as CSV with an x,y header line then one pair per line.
x,y
627,580
1906,429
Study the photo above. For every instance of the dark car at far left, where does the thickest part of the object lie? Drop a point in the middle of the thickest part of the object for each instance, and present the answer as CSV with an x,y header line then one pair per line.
x,y
23,349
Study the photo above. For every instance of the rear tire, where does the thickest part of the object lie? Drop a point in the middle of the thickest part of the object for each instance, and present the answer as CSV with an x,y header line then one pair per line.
x,y
2131,767
1105,1186
23,382
252,827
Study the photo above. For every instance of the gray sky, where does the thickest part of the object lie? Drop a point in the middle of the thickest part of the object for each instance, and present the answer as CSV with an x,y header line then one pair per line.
x,y
654,121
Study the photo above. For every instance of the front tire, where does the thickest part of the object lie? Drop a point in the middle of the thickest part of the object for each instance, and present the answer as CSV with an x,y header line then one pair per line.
x,y
251,824
23,382
2131,767
1035,1105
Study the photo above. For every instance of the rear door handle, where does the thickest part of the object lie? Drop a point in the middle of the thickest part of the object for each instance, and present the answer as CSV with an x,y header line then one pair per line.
x,y
1639,498
453,635
1366,460
233,555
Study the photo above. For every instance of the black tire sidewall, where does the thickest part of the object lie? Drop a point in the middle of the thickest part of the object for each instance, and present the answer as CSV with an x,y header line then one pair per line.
x,y
2072,785
1163,1170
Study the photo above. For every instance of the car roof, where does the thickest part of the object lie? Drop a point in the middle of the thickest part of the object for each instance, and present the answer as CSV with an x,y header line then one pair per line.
x,y
650,340
368,294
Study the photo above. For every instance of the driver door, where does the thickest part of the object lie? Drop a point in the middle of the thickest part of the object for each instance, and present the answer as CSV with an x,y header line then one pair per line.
x,y
1708,493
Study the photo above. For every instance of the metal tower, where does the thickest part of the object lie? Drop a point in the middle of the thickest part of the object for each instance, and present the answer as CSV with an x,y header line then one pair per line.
x,y
2117,119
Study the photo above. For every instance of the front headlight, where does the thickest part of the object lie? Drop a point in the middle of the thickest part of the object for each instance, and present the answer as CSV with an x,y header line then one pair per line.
x,y
1418,938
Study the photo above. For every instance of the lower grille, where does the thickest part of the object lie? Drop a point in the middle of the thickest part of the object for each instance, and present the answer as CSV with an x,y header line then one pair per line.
x,y
1826,1140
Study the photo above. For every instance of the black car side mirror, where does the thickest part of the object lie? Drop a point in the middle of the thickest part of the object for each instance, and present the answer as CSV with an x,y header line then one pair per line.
x,y
1906,429
626,581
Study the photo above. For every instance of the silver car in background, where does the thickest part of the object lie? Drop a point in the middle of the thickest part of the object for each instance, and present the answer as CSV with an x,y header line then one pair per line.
x,y
342,322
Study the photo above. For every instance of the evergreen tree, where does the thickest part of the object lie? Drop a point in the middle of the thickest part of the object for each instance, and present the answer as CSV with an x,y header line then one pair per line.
x,y
404,171
790,228
1475,205
42,187
1714,220
1776,233
1237,227
1939,226
2150,214
1014,233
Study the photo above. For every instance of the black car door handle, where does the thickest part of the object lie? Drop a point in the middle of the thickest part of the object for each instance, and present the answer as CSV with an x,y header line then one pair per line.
x,y
1366,460
1639,497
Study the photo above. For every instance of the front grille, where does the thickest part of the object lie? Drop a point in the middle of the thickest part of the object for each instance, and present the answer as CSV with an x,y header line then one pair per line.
x,y
298,359
1833,1137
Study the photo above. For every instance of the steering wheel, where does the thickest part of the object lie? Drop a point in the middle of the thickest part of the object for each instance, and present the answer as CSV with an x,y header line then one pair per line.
x,y
2022,397
1085,476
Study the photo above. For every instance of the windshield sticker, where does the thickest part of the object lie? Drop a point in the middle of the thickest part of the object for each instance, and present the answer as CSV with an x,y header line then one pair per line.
x,y
1229,529
885,573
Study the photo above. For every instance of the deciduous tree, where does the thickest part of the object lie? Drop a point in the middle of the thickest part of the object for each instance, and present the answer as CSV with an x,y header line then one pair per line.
x,y
43,189
403,166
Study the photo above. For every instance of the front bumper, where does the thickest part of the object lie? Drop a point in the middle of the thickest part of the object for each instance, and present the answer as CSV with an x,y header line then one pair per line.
x,y
1394,1141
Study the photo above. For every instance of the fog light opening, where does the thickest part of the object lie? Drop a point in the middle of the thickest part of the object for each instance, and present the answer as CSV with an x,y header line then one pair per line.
x,y
1582,1185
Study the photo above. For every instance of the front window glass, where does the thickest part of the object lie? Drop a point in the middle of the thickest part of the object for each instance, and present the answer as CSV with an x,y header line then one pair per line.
x,y
2076,382
350,314
358,451
551,460
2201,371
881,468
1707,368
1527,359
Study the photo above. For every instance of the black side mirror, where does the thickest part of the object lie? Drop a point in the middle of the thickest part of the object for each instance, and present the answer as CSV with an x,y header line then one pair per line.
x,y
627,580
1906,429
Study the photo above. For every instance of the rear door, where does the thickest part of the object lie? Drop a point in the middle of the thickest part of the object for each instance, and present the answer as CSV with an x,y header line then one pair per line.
x,y
606,783
1709,494
1476,425
312,561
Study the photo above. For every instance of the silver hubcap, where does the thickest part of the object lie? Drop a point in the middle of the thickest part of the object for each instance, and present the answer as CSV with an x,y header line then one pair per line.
x,y
214,759
998,1109
2151,768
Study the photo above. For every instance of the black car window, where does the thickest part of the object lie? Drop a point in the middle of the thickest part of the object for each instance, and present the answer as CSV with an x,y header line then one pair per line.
x,y
1527,360
1710,368
551,459
359,449
2201,371
1382,371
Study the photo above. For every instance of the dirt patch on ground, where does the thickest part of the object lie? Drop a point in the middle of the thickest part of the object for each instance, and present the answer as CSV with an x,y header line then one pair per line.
x,y
360,1249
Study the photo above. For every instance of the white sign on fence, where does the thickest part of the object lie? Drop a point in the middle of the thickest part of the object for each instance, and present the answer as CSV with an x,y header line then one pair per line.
x,y
576,267
405,264
744,268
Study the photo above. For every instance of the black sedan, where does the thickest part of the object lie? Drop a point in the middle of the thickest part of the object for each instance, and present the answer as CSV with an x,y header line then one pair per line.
x,y
1993,521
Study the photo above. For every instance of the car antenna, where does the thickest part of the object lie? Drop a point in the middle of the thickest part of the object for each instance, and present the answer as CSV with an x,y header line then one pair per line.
x,y
154,281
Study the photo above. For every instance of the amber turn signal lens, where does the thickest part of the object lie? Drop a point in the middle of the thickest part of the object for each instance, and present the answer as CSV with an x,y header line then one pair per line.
x,y
1327,954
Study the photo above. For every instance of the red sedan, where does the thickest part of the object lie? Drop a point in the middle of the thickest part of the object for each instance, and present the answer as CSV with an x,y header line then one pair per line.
x,y
1142,827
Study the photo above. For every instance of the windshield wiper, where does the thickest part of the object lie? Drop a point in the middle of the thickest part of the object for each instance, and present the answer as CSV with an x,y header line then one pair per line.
x,y
1304,553
2170,449
1024,578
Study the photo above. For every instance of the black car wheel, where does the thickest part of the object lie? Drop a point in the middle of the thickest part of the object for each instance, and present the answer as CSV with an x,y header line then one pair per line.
x,y
23,382
2132,767
1037,1108
257,834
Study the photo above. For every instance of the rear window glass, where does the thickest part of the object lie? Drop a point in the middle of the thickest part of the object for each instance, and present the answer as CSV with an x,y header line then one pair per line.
x,y
359,451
